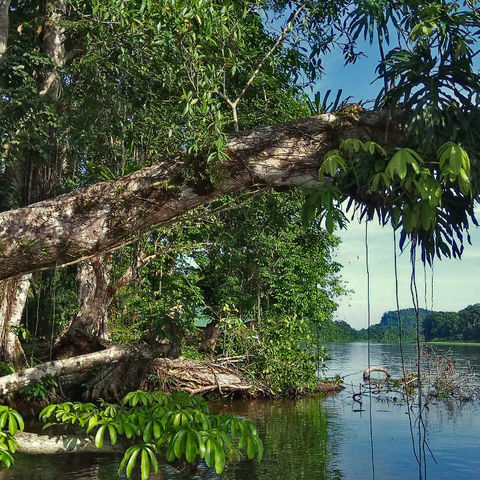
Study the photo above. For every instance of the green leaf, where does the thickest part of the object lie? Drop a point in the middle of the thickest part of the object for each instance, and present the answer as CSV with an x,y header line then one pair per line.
x,y
426,217
99,436
209,453
145,465
47,412
190,448
259,449
131,462
178,443
464,182
3,419
12,424
250,448
219,458
153,460
156,429
113,434
92,423
147,433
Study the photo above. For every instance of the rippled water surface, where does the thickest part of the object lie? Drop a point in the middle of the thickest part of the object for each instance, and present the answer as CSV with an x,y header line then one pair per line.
x,y
314,438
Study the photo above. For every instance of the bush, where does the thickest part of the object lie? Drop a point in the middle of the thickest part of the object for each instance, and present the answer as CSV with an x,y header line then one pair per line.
x,y
279,352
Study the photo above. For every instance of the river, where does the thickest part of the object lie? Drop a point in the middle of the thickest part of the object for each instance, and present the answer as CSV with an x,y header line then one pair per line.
x,y
314,438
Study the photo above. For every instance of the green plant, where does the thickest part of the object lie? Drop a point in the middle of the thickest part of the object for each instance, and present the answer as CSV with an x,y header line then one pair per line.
x,y
281,352
10,423
41,389
177,425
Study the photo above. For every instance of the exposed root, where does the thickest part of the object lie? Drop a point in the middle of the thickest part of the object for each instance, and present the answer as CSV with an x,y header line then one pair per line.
x,y
168,375
196,377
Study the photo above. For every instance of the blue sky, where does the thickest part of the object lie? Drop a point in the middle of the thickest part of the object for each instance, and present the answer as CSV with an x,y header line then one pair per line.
x,y
456,282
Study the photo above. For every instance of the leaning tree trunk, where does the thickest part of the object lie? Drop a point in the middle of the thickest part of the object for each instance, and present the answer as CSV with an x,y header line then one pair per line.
x,y
97,290
107,215
13,294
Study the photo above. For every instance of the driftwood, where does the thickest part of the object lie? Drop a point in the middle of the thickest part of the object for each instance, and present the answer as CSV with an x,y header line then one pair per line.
x,y
197,377
378,368
43,444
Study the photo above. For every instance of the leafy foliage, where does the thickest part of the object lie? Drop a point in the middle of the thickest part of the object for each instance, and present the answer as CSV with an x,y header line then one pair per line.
x,y
41,389
281,352
176,425
457,326
261,260
386,331
11,422
429,199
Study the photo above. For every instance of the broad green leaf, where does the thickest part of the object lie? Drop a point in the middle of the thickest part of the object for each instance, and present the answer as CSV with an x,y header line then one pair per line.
x,y
145,465
113,434
179,443
250,448
219,458
209,453
99,436
153,460
190,448
131,462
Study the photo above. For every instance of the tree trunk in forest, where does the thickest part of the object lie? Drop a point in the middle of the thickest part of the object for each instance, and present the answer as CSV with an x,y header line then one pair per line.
x,y
97,290
4,25
105,216
32,179
74,365
13,295
209,338
95,296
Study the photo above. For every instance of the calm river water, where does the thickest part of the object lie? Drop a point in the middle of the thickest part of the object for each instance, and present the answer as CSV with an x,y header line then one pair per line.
x,y
315,438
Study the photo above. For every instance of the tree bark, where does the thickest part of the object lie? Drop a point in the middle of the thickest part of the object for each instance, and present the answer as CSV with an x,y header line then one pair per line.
x,y
4,25
32,179
95,296
104,216
57,368
13,294
97,290
210,336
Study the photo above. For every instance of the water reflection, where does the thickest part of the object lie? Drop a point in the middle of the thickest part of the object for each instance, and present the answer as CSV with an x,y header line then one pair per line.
x,y
296,436
322,439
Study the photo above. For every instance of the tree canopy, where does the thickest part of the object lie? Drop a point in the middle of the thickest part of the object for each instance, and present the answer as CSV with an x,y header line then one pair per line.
x,y
134,83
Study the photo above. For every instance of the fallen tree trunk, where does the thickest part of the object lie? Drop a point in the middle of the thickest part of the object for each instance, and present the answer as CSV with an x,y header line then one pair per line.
x,y
104,216
33,443
197,377
57,368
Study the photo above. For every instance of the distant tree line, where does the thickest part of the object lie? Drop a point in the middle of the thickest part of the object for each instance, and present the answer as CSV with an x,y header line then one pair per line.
x,y
460,326
435,326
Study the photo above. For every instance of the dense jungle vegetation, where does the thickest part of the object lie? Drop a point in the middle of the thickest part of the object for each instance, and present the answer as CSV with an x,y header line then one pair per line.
x,y
146,187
